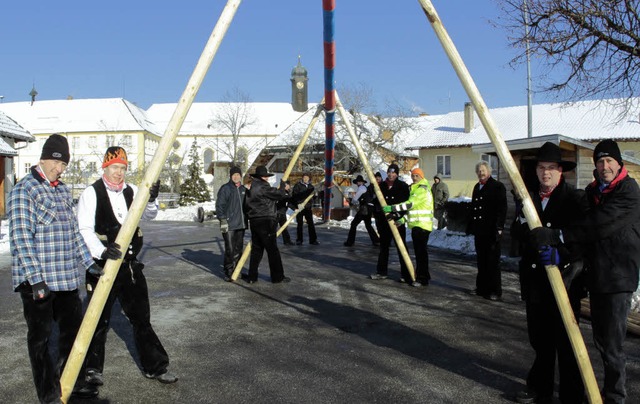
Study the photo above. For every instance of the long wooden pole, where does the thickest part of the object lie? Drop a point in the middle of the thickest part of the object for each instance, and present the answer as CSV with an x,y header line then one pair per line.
x,y
247,250
365,161
559,291
88,327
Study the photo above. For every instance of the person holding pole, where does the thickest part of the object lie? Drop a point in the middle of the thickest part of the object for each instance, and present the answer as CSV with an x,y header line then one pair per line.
x,y
363,201
557,204
610,236
102,209
261,209
419,209
281,212
488,214
46,251
301,190
394,191
230,213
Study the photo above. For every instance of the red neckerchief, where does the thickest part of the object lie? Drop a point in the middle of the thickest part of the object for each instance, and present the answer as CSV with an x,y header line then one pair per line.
x,y
612,185
483,182
112,186
44,177
547,194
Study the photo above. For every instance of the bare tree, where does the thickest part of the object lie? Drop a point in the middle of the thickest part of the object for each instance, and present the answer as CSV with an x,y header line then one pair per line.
x,y
588,48
235,114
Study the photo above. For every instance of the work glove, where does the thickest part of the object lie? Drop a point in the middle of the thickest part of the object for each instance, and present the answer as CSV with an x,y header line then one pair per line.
x,y
391,216
400,221
387,209
549,255
112,252
41,291
224,226
95,270
544,236
154,190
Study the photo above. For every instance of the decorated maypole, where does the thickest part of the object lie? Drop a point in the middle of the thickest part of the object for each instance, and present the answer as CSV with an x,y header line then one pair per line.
x,y
328,7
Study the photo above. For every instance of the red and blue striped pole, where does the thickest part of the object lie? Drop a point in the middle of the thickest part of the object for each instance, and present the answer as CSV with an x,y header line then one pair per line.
x,y
328,7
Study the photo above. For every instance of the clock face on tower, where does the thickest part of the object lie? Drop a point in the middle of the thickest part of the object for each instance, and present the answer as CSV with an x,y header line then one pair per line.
x,y
300,85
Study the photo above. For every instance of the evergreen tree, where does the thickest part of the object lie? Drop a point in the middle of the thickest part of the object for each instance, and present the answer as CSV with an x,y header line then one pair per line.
x,y
194,189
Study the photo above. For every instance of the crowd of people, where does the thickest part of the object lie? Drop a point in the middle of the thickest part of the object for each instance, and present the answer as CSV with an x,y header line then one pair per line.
x,y
591,235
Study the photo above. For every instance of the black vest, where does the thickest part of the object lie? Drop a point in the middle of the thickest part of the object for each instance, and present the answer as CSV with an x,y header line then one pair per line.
x,y
106,224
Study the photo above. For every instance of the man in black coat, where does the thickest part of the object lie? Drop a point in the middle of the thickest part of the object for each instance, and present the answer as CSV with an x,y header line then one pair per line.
x,y
301,190
395,191
557,204
488,213
229,211
610,236
261,201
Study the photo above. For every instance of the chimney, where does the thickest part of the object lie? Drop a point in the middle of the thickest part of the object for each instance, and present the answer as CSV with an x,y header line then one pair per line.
x,y
468,117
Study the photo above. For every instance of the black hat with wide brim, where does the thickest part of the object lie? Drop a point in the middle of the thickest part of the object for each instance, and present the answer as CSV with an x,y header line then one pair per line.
x,y
359,179
550,152
261,171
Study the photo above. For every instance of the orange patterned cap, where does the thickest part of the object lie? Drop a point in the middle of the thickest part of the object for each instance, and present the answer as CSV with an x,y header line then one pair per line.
x,y
115,154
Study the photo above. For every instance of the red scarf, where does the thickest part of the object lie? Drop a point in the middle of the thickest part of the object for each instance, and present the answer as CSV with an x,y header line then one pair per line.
x,y
612,185
112,186
548,193
44,177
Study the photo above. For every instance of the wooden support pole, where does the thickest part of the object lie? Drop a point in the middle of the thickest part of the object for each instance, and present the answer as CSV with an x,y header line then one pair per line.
x,y
559,291
247,250
94,311
365,161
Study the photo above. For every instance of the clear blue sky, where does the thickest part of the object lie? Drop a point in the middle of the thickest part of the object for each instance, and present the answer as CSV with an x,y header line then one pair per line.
x,y
145,51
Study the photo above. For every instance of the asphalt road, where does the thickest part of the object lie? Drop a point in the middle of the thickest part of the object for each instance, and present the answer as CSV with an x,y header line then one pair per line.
x,y
330,336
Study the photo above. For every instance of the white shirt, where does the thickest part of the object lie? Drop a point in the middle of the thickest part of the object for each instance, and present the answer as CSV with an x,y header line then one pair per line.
x,y
87,215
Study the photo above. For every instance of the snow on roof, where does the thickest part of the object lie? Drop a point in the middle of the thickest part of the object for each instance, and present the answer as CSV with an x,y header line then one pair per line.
x,y
585,120
81,115
270,118
10,128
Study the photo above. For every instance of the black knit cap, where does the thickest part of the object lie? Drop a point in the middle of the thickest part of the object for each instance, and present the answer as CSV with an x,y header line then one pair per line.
x,y
607,148
235,170
56,147
393,168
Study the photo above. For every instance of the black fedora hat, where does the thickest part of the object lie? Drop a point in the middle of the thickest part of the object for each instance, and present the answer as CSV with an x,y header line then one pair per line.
x,y
550,152
261,171
359,179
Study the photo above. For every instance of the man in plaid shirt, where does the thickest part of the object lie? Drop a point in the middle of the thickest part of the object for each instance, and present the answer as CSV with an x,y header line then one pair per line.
x,y
47,251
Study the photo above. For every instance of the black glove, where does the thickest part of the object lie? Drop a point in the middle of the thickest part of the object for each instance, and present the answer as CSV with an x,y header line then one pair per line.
x,y
112,252
41,291
95,270
154,190
224,226
544,236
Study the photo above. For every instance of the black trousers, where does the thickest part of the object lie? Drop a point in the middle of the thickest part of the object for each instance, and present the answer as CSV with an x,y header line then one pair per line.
x,y
549,339
489,279
351,238
65,308
439,215
609,322
282,219
233,243
263,236
307,214
386,237
420,238
130,288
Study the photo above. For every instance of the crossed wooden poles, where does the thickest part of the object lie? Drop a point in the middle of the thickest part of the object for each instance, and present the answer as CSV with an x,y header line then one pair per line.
x,y
94,310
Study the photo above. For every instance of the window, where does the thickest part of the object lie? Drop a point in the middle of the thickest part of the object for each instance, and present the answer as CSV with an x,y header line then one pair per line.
x,y
111,141
443,165
126,141
91,167
207,157
493,162
629,153
27,167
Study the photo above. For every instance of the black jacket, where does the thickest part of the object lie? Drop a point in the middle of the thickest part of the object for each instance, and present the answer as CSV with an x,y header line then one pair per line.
x,y
398,192
300,193
611,234
566,205
488,209
261,199
229,205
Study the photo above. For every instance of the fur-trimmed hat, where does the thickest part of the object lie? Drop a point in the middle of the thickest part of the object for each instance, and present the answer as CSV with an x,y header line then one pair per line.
x,y
56,147
551,153
607,148
115,155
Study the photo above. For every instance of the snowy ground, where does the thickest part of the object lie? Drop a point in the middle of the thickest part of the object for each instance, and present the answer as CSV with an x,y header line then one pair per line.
x,y
439,238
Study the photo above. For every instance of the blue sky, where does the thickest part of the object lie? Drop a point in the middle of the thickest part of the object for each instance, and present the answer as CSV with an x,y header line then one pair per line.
x,y
145,51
